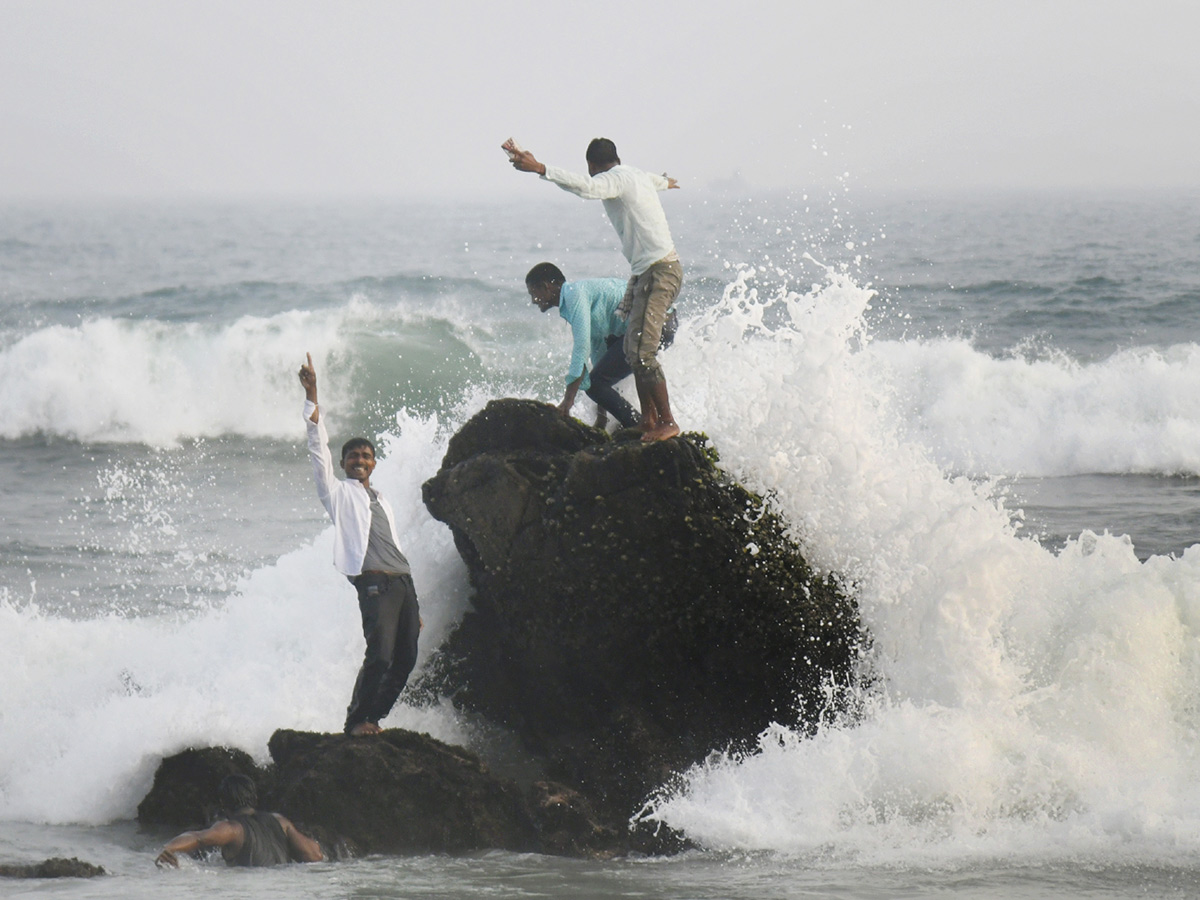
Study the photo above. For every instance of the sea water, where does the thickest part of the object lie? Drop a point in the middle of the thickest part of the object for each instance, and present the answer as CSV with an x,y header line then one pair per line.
x,y
981,413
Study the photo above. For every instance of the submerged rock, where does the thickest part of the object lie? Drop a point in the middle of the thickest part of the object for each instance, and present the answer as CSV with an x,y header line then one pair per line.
x,y
55,867
634,610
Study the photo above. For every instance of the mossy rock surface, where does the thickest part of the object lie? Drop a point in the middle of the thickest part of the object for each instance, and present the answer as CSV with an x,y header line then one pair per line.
x,y
634,609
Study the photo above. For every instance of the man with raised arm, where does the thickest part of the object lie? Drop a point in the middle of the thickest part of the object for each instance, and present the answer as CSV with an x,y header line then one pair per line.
x,y
367,551
630,198
247,837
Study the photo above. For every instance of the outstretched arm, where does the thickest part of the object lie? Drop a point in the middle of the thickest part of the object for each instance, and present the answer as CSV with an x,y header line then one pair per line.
x,y
308,379
522,160
300,847
220,835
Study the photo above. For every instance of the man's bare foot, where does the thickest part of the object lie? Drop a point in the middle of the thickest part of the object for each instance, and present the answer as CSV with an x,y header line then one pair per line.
x,y
365,728
660,432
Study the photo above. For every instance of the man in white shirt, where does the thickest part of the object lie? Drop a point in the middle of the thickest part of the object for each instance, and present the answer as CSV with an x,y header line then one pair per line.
x,y
367,551
630,198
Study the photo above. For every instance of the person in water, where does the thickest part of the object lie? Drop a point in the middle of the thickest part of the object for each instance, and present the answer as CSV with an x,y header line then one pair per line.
x,y
247,837
367,551
590,308
631,200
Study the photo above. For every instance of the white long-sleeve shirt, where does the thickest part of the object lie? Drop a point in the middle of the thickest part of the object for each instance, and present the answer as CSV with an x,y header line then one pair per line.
x,y
631,200
346,500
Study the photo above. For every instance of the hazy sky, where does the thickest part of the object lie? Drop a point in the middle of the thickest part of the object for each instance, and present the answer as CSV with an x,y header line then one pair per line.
x,y
372,98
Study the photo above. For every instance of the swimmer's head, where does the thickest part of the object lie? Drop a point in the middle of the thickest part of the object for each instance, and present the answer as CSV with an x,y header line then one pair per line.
x,y
237,792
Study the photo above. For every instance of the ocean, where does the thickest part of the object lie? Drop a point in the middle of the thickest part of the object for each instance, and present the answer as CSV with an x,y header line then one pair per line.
x,y
981,411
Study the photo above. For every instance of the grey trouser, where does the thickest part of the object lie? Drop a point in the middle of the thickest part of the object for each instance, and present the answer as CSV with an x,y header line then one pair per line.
x,y
651,295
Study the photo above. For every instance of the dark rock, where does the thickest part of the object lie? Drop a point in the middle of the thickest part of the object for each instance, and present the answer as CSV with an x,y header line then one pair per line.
x,y
634,609
398,792
567,825
55,867
184,793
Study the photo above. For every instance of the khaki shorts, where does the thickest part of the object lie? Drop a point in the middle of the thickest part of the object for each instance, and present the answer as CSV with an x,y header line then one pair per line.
x,y
649,297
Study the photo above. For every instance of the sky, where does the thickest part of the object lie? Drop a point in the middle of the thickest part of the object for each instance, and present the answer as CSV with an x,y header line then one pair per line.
x,y
365,98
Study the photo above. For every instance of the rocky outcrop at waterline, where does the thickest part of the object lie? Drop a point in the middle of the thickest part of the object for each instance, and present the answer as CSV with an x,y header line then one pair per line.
x,y
635,609
55,867
397,793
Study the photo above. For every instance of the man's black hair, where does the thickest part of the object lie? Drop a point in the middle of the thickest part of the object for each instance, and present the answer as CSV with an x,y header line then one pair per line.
x,y
544,273
602,151
237,792
355,443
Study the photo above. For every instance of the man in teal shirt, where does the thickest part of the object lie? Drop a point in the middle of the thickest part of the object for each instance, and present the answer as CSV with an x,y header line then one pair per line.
x,y
590,308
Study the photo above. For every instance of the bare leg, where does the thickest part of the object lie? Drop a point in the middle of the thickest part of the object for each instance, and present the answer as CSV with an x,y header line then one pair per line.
x,y
649,412
664,423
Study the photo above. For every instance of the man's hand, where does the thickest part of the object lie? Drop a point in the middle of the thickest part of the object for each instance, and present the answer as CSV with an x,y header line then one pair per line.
x,y
671,182
167,858
565,407
522,160
308,378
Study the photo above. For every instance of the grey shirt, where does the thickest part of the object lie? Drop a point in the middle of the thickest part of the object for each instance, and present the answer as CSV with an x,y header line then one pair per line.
x,y
382,553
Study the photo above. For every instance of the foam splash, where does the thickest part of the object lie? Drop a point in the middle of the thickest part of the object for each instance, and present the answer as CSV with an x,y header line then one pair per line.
x,y
1137,411
160,382
1024,700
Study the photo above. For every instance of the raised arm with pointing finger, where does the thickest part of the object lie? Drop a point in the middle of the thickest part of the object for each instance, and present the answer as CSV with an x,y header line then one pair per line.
x,y
366,550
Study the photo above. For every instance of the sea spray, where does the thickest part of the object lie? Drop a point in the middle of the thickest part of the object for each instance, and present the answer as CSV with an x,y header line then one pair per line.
x,y
1021,701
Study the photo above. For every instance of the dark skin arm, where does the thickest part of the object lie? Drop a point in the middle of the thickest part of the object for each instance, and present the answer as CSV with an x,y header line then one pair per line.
x,y
522,160
229,836
300,847
223,834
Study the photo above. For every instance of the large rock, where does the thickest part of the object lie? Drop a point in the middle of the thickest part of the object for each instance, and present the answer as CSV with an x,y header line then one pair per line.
x,y
398,792
634,609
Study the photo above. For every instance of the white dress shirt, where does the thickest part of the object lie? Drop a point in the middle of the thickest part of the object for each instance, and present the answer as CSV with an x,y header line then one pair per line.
x,y
631,200
346,500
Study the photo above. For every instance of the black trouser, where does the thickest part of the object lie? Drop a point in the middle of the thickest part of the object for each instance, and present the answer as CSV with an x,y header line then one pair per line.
x,y
391,623
613,368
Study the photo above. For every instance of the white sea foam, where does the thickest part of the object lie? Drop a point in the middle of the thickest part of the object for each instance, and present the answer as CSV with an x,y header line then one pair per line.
x,y
1137,411
158,383
1025,702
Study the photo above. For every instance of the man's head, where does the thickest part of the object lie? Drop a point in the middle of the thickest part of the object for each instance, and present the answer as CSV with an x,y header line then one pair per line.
x,y
237,792
358,459
601,156
544,283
